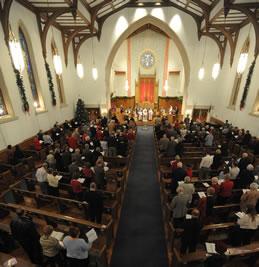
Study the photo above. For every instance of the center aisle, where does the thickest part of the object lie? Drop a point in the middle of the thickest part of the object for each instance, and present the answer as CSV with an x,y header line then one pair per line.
x,y
140,238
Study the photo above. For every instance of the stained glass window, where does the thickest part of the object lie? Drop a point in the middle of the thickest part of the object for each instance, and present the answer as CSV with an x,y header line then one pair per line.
x,y
29,67
3,110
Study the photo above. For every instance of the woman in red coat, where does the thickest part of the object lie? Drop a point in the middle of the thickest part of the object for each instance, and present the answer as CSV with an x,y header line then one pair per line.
x,y
37,143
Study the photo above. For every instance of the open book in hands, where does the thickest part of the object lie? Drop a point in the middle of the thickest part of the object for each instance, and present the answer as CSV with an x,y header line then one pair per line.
x,y
91,235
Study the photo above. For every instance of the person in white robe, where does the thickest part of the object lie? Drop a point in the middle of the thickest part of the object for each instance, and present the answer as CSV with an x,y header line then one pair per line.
x,y
150,114
144,114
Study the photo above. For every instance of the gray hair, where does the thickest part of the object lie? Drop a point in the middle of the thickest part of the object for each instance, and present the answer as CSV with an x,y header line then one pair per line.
x,y
187,179
250,167
253,186
179,190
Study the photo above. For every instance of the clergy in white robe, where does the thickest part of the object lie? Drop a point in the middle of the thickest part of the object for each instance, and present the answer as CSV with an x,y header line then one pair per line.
x,y
140,115
150,114
144,114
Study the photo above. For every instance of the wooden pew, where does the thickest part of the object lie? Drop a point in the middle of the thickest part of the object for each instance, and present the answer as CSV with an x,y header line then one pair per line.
x,y
41,218
61,205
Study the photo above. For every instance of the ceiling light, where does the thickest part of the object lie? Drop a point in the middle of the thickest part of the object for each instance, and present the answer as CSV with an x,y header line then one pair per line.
x,y
140,4
215,71
158,4
201,73
242,63
80,70
57,63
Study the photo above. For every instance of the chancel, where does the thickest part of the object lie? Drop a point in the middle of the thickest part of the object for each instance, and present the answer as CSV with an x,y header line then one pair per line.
x,y
129,133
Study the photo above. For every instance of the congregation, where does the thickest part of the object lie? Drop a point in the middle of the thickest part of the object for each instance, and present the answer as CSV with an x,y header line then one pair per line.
x,y
209,179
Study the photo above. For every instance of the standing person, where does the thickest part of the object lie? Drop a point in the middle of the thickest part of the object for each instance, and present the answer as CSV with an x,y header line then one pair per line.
x,y
192,228
225,190
209,139
24,231
50,248
188,188
248,225
177,175
53,180
205,165
95,201
41,177
77,249
179,207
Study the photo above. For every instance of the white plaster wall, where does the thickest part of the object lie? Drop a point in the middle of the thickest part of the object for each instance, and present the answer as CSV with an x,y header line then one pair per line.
x,y
26,125
221,111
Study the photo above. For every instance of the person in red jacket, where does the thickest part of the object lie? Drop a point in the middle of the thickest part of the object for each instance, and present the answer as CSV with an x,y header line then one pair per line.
x,y
72,142
77,189
225,190
37,143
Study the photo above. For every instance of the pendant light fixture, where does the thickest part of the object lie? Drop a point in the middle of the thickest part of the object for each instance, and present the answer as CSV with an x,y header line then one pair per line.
x,y
16,52
94,69
215,71
56,57
201,72
80,70
243,58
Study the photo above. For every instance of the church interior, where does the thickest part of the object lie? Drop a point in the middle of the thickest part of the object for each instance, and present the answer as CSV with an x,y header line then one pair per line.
x,y
129,133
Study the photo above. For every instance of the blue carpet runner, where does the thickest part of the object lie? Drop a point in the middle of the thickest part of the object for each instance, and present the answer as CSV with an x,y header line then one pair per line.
x,y
140,238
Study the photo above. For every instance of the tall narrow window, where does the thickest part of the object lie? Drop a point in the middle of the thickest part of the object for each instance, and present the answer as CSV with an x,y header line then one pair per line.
x,y
6,110
38,103
238,77
58,78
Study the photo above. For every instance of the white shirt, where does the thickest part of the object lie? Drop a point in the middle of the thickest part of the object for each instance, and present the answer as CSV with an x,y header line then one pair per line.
x,y
246,222
206,161
41,175
233,172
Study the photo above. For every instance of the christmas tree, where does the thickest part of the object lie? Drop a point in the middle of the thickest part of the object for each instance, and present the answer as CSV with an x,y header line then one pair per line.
x,y
81,113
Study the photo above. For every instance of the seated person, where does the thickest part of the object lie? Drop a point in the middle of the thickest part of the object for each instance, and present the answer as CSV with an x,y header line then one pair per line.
x,y
191,233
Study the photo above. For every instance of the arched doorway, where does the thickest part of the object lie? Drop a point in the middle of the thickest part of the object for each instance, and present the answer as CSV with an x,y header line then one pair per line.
x,y
164,27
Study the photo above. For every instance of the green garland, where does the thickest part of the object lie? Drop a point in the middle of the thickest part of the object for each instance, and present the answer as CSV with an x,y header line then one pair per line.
x,y
19,82
51,85
247,84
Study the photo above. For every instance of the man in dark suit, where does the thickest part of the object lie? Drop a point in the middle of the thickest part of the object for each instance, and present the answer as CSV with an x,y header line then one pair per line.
x,y
192,228
95,202
24,231
177,175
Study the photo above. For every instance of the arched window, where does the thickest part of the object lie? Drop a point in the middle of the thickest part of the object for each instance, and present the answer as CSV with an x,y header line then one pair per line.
x,y
238,79
59,79
6,110
38,103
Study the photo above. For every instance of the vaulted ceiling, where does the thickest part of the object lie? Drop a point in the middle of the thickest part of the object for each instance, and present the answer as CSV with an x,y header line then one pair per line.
x,y
78,20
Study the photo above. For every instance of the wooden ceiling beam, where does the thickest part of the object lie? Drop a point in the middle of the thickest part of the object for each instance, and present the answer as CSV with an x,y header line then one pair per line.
x,y
251,16
221,46
5,11
67,41
43,29
76,47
